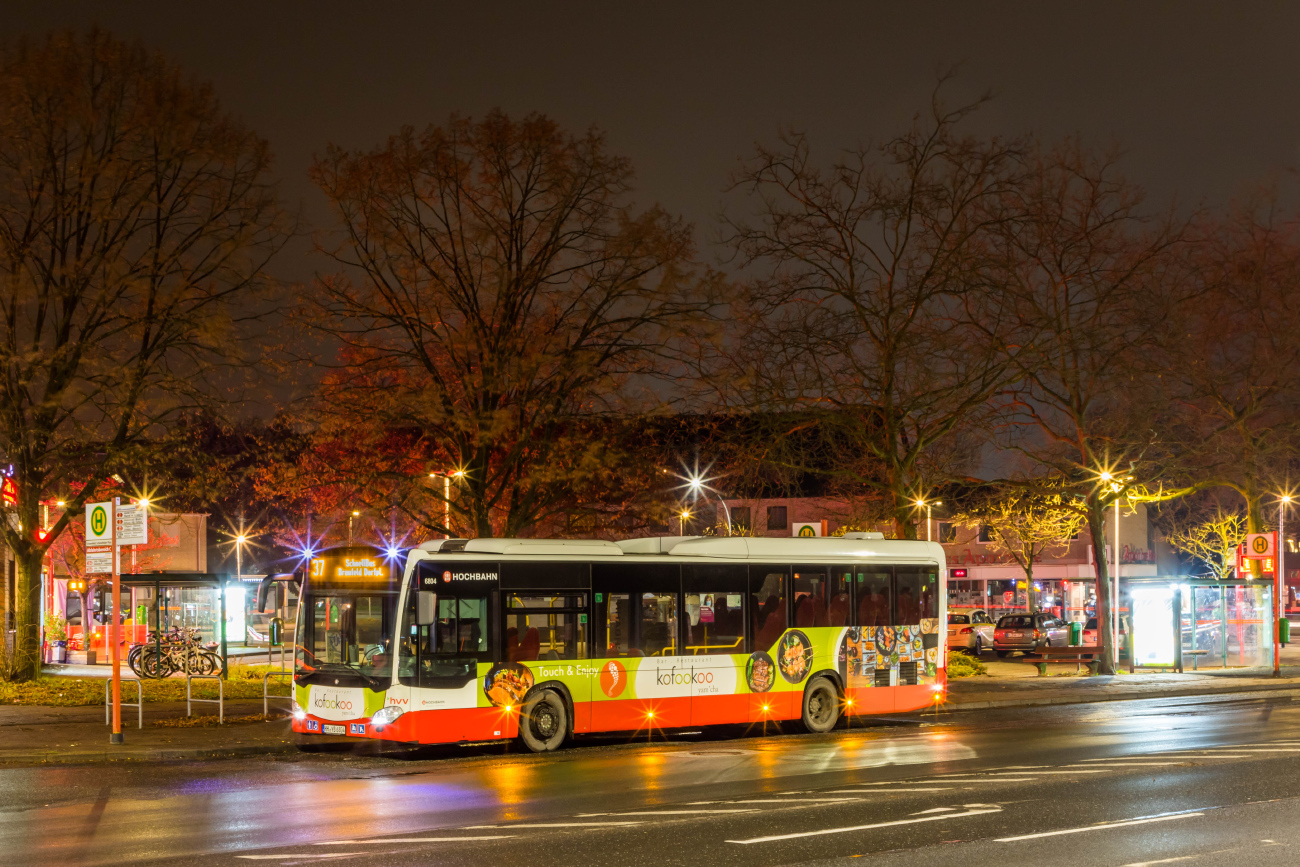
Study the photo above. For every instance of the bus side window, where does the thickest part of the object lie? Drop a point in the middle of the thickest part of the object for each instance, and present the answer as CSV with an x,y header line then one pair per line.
x,y
837,611
618,624
874,607
917,592
658,624
767,605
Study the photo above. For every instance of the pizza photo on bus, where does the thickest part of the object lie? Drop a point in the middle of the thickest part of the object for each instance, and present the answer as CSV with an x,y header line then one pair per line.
x,y
796,656
760,672
506,684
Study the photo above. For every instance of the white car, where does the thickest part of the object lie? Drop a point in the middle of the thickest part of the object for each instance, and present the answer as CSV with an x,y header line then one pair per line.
x,y
973,631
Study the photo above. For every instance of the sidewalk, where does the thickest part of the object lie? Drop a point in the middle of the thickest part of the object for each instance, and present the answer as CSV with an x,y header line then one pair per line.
x,y
1013,684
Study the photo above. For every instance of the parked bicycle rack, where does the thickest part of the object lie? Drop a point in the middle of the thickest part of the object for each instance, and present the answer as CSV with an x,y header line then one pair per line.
x,y
266,698
219,701
138,704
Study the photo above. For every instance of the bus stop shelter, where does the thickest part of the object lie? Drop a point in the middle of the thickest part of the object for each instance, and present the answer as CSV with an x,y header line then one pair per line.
x,y
1183,622
176,592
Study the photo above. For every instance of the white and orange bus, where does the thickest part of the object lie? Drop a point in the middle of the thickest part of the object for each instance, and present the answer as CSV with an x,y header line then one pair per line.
x,y
544,640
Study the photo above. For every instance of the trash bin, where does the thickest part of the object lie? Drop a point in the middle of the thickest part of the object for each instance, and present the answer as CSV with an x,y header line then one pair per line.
x,y
276,632
1283,631
1076,633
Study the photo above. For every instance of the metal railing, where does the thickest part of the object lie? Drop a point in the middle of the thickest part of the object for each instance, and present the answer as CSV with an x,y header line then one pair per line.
x,y
138,704
266,697
219,701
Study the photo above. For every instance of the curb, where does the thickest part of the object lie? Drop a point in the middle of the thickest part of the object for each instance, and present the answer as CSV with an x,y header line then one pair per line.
x,y
960,706
144,755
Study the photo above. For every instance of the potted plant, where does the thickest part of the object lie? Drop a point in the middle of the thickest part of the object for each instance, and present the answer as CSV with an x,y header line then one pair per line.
x,y
56,633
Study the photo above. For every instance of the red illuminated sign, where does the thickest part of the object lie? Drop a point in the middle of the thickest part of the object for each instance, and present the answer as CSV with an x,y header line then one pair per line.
x,y
956,573
9,491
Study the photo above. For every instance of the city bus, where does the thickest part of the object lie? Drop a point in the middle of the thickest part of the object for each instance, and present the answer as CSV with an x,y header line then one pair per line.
x,y
467,641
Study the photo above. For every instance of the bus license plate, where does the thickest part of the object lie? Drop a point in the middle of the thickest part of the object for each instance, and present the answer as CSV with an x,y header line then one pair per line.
x,y
334,730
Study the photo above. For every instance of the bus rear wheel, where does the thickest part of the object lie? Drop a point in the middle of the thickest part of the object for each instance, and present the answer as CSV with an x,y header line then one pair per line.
x,y
821,706
543,722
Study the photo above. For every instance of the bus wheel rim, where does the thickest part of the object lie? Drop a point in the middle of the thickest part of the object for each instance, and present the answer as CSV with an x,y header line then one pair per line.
x,y
544,723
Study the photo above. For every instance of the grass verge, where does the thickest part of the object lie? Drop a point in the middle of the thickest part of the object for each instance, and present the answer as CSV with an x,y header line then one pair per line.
x,y
245,682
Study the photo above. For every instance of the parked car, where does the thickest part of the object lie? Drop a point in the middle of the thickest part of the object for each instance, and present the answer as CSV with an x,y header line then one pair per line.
x,y
973,631
1029,633
1090,635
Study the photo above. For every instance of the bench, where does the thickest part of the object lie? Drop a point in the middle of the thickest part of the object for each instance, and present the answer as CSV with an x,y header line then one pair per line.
x,y
1083,654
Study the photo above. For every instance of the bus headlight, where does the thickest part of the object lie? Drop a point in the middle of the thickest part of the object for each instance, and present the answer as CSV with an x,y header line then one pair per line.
x,y
386,715
299,713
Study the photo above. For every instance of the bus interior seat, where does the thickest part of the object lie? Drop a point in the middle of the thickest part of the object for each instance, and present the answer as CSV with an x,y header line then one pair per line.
x,y
838,614
549,656
531,644
773,626
803,613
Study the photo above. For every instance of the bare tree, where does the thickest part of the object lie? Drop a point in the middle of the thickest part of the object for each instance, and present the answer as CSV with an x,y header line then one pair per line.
x,y
1230,346
1081,264
500,289
135,220
857,307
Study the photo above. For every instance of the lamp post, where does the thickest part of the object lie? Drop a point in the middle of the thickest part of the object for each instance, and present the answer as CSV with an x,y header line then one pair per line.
x,y
1279,582
1116,485
355,514
681,529
928,506
698,488
446,496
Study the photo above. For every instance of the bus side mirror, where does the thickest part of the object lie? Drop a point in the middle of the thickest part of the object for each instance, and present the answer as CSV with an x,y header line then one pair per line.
x,y
426,607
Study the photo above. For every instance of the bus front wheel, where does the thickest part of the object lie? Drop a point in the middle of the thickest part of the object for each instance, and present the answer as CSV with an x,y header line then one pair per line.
x,y
821,706
543,722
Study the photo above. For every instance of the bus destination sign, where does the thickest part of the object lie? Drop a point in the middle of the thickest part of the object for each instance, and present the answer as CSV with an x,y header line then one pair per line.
x,y
348,568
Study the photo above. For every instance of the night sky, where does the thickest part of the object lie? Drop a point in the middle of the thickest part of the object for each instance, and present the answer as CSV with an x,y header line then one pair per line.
x,y
1205,98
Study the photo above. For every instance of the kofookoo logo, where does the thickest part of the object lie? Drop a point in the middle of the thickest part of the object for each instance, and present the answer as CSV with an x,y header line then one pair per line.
x,y
446,577
333,703
613,678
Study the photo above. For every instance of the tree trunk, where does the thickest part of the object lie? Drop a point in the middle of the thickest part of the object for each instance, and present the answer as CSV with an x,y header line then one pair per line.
x,y
26,662
1097,532
1030,596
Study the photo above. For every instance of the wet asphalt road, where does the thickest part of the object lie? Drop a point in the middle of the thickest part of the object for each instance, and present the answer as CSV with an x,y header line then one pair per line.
x,y
1175,781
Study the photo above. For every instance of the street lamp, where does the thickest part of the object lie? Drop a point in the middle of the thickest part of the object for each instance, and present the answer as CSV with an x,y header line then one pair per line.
x,y
446,496
1279,582
928,506
355,514
698,487
686,513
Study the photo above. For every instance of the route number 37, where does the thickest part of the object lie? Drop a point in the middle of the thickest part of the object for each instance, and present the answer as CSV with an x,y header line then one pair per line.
x,y
317,568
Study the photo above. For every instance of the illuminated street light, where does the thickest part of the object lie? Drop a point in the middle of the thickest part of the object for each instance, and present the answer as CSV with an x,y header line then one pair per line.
x,y
698,487
922,504
1279,581
446,495
686,513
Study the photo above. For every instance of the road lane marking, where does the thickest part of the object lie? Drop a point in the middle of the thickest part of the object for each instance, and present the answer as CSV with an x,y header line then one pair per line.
x,y
1103,827
852,828
412,840
935,810
793,800
679,812
1169,764
887,791
548,825
287,855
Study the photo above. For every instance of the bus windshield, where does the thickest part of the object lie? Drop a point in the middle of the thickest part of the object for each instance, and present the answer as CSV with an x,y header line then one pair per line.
x,y
345,620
